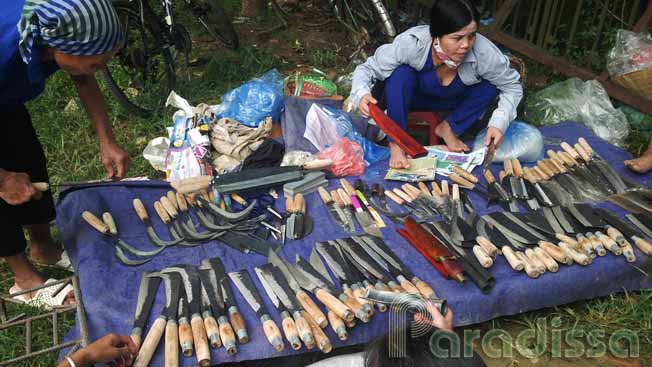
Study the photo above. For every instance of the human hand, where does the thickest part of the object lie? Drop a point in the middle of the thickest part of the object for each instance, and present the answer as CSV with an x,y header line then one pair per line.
x,y
435,318
16,188
363,106
115,160
494,134
112,349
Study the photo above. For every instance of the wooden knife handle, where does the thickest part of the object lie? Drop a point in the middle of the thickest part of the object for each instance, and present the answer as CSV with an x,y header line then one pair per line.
x,y
380,306
555,252
534,260
408,286
169,207
547,163
171,344
456,192
181,202
172,197
185,338
150,343
530,269
323,343
489,177
643,245
436,190
323,194
335,305
239,199
337,324
459,180
514,261
568,158
141,212
201,342
347,186
227,335
192,184
569,149
517,168
507,164
544,168
212,331
424,188
411,190
583,154
110,222
487,246
579,258
501,176
305,332
394,197
289,204
527,174
542,175
337,199
309,305
41,186
355,306
299,203
272,333
358,293
547,260
290,331
158,207
402,195
318,164
346,198
568,240
423,287
586,146
95,222
628,253
466,174
239,326
609,243
482,257
444,188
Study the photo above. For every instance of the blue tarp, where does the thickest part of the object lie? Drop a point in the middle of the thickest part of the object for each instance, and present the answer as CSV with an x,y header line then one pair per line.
x,y
110,289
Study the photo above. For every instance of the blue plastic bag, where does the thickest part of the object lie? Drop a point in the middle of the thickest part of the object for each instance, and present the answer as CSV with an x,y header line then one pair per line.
x,y
254,100
521,141
323,136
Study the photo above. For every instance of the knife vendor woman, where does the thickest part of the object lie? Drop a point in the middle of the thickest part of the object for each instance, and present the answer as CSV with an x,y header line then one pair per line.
x,y
38,37
446,67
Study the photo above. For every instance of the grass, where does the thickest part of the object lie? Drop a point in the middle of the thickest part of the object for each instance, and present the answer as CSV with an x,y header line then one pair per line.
x,y
71,148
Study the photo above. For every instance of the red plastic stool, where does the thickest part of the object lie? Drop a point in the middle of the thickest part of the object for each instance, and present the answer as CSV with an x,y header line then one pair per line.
x,y
423,120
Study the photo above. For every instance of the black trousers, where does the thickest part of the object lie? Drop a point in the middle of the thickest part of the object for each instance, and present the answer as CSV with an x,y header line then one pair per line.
x,y
21,151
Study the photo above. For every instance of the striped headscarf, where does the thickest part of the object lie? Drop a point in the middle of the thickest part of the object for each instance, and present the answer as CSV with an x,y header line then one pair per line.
x,y
74,27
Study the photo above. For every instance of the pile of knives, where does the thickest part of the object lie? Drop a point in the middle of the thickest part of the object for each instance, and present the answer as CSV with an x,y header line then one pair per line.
x,y
183,215
199,310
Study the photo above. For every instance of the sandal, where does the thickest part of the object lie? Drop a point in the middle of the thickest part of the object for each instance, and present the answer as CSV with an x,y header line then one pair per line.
x,y
43,298
63,263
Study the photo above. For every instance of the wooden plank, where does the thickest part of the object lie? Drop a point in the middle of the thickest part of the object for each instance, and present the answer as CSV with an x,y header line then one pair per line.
x,y
567,68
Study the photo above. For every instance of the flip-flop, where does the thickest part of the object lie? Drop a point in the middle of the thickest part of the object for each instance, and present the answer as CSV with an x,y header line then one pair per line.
x,y
63,263
43,297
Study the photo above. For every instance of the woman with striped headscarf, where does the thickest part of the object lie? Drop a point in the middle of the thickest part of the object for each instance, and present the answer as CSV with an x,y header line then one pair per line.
x,y
38,37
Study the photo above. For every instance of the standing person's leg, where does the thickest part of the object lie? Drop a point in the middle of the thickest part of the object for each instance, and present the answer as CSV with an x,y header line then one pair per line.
x,y
22,152
400,88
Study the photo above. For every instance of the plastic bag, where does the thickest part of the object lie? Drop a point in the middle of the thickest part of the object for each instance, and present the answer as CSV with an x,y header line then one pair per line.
x,y
576,100
631,52
311,85
156,151
347,157
297,158
325,125
255,100
521,140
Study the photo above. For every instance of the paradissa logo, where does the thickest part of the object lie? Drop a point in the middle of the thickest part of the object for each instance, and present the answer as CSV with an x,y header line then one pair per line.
x,y
534,343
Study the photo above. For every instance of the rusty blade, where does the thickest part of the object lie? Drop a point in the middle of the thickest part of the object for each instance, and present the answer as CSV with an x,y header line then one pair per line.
x,y
489,156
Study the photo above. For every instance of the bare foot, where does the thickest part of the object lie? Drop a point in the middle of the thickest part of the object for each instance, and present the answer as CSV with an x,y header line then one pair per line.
x,y
454,144
642,164
397,158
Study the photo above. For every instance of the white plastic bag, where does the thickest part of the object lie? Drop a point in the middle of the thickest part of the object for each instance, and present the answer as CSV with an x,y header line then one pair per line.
x,y
631,52
521,141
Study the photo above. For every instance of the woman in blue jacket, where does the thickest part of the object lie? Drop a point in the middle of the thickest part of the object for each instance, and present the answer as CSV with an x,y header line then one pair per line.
x,y
38,37
446,66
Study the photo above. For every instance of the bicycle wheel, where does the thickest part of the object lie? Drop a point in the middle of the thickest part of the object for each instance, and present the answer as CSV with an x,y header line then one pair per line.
x,y
217,22
142,73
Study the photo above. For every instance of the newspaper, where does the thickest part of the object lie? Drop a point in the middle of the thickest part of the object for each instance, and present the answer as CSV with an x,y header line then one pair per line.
x,y
446,159
421,169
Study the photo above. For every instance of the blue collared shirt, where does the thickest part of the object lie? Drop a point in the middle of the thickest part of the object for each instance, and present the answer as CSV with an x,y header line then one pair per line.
x,y
19,82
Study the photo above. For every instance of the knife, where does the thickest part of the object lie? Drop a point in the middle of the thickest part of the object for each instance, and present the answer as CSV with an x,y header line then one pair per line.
x,y
335,212
245,285
356,278
360,192
146,295
489,156
378,259
214,293
304,299
235,318
345,213
312,281
281,289
287,323
364,218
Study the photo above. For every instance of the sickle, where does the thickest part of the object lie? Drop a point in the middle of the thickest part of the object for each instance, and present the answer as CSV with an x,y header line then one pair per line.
x,y
228,216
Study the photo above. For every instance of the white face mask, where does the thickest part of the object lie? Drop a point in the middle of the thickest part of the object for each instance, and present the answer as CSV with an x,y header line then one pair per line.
x,y
443,56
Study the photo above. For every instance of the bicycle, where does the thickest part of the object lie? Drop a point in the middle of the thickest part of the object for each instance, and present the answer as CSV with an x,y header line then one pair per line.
x,y
143,72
